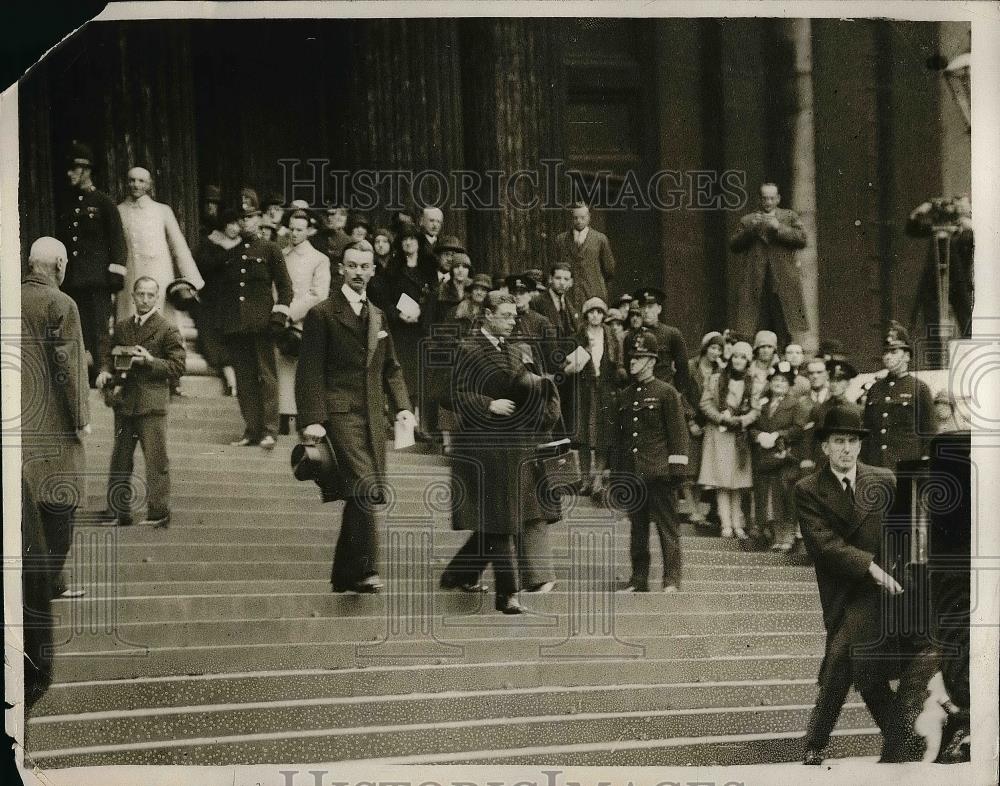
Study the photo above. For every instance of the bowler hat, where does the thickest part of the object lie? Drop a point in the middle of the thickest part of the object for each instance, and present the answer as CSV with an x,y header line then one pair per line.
x,y
289,341
646,345
318,463
181,294
449,243
594,302
840,369
831,349
536,275
841,420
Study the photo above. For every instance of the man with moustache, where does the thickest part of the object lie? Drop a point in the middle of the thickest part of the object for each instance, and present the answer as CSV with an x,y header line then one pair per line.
x,y
842,510
347,375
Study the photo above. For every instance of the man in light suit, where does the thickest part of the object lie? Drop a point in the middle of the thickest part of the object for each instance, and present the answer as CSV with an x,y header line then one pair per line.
x,y
143,393
54,411
347,375
588,254
842,509
768,288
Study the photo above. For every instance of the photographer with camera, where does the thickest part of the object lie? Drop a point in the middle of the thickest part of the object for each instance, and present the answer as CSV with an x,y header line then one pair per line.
x,y
147,352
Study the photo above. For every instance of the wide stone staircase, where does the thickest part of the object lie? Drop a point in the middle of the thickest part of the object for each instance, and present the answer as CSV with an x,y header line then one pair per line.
x,y
218,641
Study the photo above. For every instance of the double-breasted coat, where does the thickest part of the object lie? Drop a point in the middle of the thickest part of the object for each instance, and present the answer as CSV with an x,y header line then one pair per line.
x,y
652,432
347,378
769,250
497,486
899,416
91,229
592,262
53,394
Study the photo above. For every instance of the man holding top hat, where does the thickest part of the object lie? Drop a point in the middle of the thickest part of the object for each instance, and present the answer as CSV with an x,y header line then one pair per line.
x,y
649,462
246,278
842,509
899,409
346,376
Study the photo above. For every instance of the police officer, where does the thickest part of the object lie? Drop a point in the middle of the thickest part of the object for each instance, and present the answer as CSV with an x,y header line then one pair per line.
x,y
530,325
672,364
899,410
250,318
91,229
649,463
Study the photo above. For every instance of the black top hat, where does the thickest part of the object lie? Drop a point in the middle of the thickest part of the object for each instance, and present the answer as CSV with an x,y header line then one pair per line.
x,y
649,295
841,420
841,369
896,337
181,294
517,281
80,154
318,462
289,341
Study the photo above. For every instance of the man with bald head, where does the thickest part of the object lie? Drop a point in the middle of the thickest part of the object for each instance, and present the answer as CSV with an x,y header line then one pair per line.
x,y
156,246
54,411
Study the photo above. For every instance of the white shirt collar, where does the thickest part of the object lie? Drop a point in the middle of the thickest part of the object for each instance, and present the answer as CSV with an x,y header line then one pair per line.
x,y
144,201
494,340
352,296
581,234
145,317
851,475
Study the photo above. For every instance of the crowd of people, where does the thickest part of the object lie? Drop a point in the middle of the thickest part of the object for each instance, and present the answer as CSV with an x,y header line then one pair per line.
x,y
321,323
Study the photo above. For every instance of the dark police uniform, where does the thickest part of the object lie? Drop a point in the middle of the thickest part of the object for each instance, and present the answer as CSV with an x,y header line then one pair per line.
x,y
899,415
672,360
91,229
247,314
535,327
649,460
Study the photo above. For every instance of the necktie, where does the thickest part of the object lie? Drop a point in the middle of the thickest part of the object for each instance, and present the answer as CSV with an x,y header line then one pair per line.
x,y
848,489
363,313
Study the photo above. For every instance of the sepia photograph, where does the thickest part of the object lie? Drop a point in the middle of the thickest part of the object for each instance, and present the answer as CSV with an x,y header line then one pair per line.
x,y
529,387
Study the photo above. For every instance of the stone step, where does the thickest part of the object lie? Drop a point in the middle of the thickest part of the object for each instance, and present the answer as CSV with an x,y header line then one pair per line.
x,y
479,621
402,739
415,605
115,658
764,748
149,567
255,715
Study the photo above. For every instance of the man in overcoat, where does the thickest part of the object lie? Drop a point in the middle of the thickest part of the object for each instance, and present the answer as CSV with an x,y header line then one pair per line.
x,y
54,410
141,409
504,412
589,256
346,377
769,288
842,509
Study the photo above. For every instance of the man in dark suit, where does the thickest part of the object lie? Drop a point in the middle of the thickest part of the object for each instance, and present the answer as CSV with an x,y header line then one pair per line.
x,y
842,509
347,366
142,393
672,364
246,279
563,312
505,411
54,411
532,328
90,227
588,254
769,289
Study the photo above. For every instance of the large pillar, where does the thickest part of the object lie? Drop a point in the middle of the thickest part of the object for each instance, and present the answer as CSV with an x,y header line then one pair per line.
x,y
35,190
513,94
406,108
803,154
